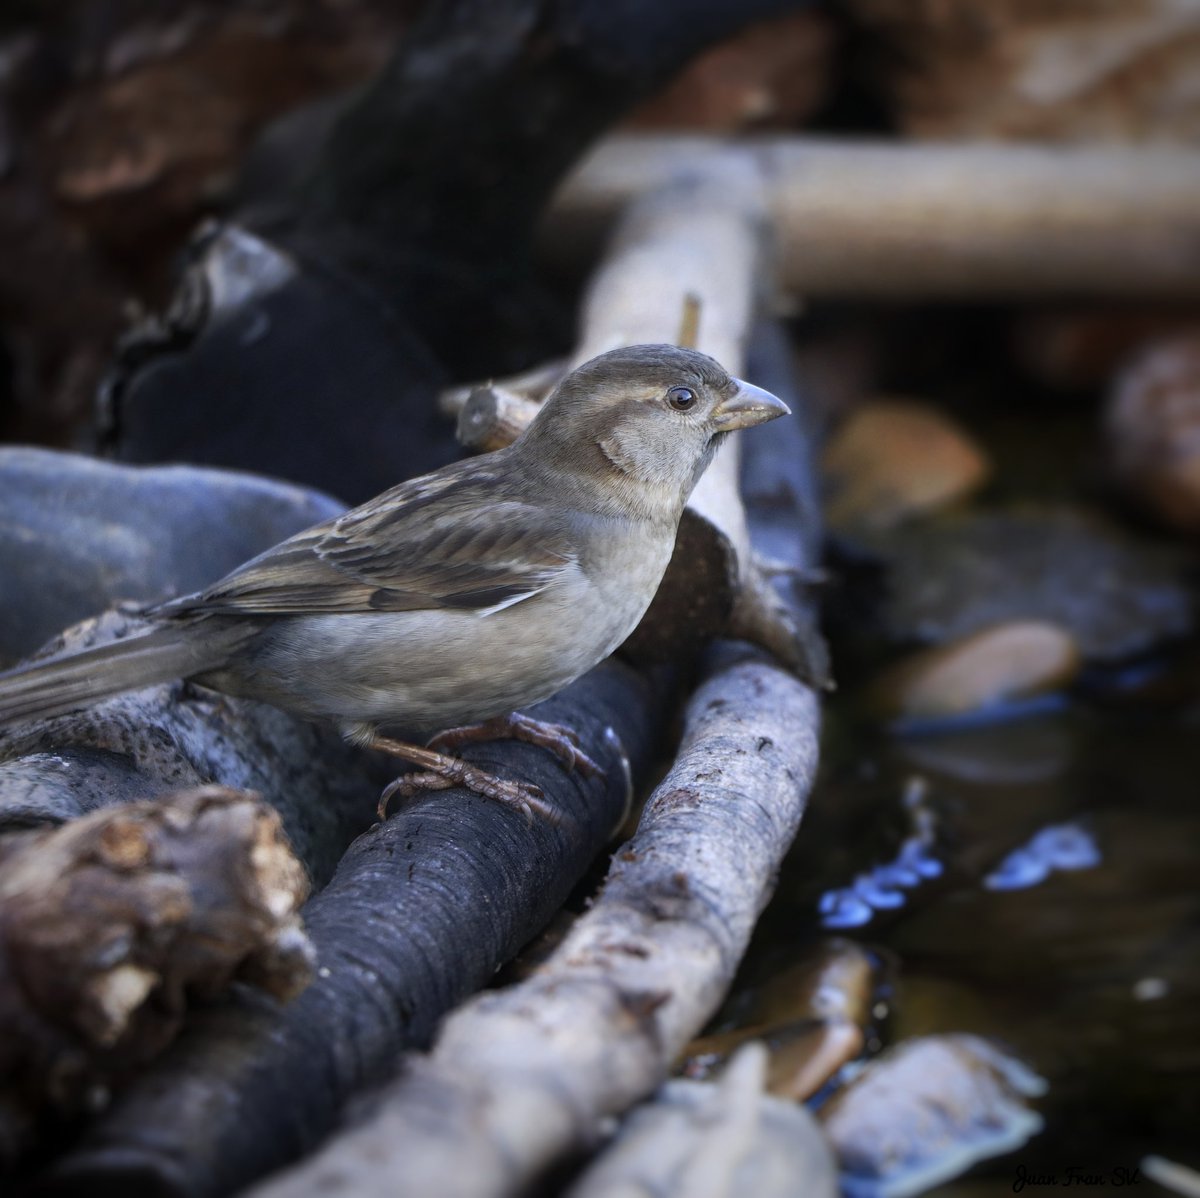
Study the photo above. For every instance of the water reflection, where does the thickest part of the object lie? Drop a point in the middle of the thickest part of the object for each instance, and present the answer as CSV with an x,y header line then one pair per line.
x,y
881,889
1034,883
1060,847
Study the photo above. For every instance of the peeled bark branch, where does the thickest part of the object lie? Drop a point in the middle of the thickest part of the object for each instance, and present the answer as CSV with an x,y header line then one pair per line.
x,y
913,221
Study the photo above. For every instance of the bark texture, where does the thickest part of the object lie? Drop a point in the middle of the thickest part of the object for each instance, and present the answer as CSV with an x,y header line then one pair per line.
x,y
112,926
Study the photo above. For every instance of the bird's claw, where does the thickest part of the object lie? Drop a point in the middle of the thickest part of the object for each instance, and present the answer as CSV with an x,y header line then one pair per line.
x,y
525,797
562,741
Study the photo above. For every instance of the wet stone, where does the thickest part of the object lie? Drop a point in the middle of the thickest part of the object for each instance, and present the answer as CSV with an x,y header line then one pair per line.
x,y
78,535
926,1111
892,460
980,671
1117,595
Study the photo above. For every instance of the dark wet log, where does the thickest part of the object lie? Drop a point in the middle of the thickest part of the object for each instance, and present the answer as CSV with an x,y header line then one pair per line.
x,y
419,914
522,1076
913,221
409,221
112,925
269,365
519,88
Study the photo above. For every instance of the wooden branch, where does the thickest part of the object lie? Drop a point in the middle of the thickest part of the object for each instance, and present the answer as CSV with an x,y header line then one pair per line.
x,y
420,913
533,384
698,237
111,925
780,492
912,221
491,418
520,1077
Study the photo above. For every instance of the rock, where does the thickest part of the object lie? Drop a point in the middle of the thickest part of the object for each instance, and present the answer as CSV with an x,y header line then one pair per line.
x,y
835,979
925,1111
813,1016
979,671
1153,430
803,1056
720,1140
895,459
1116,595
77,535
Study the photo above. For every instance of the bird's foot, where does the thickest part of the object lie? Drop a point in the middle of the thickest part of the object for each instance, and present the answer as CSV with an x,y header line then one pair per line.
x,y
438,771
559,739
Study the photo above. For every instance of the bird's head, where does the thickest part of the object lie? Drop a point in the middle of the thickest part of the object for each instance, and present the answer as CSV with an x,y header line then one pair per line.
x,y
647,417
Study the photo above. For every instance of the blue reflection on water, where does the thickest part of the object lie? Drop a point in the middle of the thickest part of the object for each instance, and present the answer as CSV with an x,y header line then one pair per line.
x,y
1059,847
882,888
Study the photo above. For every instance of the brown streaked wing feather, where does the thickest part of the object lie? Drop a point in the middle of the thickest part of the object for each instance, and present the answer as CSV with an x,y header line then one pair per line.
x,y
448,540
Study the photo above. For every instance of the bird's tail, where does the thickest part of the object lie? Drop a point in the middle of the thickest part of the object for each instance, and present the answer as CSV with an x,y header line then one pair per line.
x,y
57,685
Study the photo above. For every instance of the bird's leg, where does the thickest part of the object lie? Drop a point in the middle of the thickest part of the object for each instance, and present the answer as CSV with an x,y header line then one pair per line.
x,y
440,772
559,739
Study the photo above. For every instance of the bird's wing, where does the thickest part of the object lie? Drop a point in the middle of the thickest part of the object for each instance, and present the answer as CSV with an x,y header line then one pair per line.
x,y
449,540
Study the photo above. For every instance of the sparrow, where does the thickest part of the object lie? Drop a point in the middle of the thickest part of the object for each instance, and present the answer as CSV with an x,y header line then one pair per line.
x,y
450,600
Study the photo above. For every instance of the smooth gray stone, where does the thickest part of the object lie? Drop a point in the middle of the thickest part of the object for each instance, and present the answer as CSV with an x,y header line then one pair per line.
x,y
78,535
1118,594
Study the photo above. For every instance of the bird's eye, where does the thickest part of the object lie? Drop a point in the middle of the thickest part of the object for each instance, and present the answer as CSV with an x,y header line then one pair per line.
x,y
681,398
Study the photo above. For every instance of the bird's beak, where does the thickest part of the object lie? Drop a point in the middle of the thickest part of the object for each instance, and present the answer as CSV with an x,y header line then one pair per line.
x,y
747,406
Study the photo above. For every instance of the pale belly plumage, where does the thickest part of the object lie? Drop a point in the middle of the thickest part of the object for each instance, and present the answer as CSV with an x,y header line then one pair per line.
x,y
406,670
